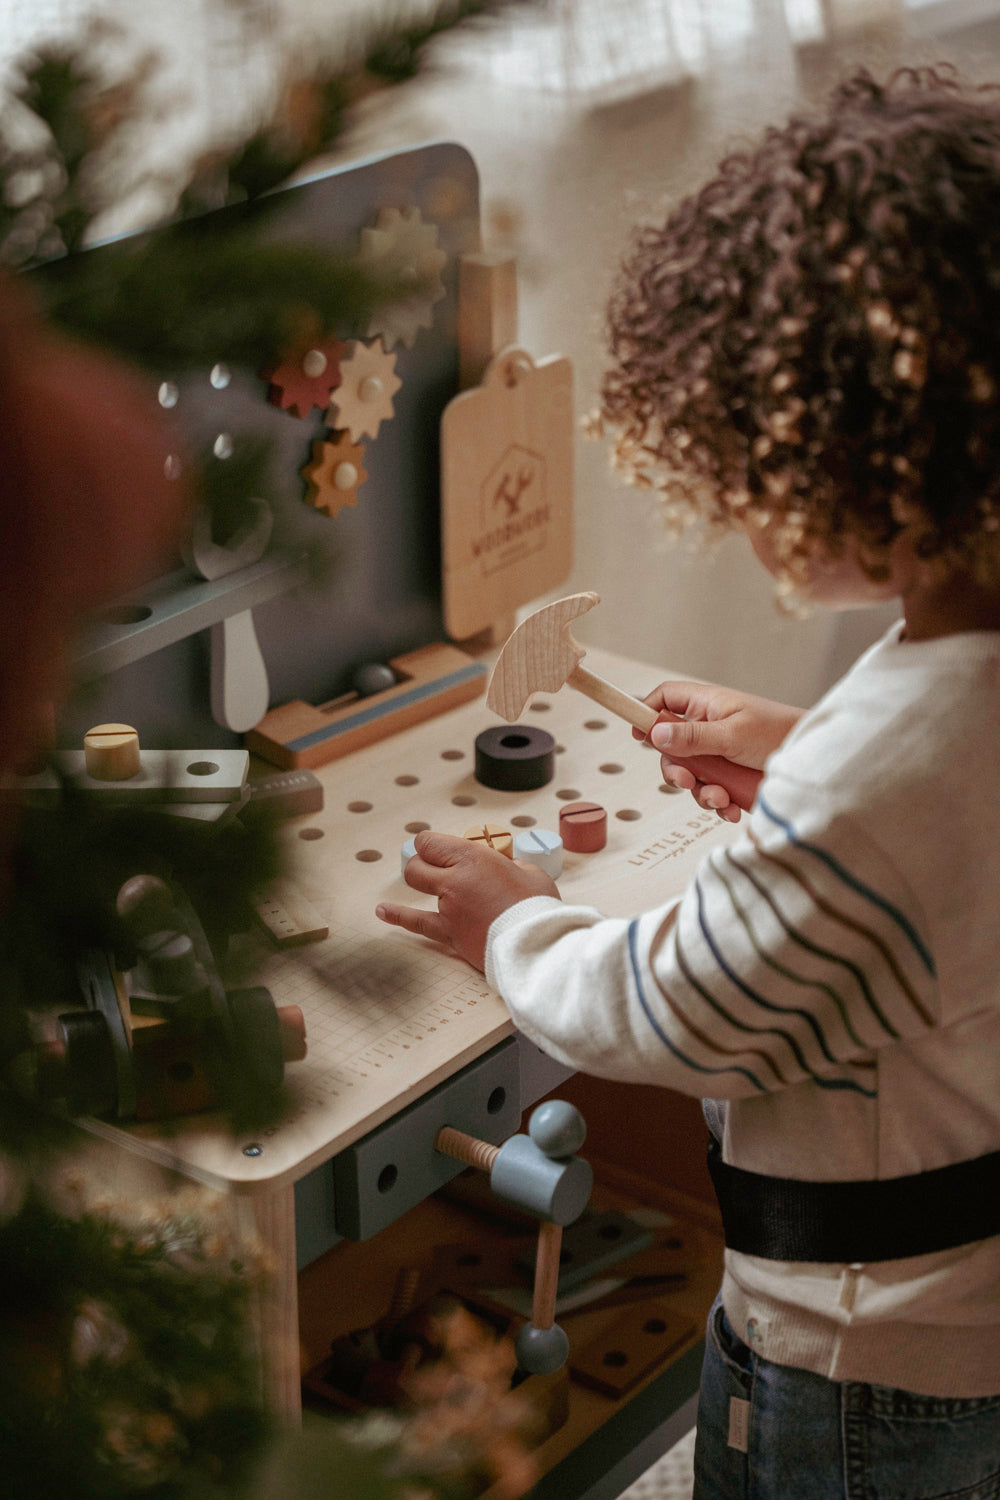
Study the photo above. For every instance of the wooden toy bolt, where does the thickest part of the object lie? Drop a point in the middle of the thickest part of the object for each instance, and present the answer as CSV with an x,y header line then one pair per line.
x,y
539,1172
541,847
493,836
111,752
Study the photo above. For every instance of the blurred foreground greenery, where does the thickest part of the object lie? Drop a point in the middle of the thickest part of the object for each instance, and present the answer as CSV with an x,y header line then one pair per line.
x,y
126,1363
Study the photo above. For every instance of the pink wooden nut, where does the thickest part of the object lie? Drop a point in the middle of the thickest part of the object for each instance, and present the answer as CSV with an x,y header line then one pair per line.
x,y
583,827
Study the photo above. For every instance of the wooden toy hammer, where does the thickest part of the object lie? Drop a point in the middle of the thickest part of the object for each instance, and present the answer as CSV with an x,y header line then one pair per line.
x,y
540,655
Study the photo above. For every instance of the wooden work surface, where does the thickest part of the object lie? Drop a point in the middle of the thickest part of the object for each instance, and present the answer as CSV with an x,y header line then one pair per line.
x,y
389,1015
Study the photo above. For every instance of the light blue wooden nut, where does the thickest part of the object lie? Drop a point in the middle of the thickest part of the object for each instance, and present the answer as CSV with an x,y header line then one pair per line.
x,y
406,853
557,1128
541,847
541,1351
556,1190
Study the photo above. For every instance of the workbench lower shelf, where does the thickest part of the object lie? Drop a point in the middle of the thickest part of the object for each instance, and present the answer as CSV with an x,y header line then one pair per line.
x,y
613,1408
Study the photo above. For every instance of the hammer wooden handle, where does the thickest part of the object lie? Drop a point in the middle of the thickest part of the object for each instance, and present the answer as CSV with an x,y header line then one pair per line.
x,y
617,702
741,782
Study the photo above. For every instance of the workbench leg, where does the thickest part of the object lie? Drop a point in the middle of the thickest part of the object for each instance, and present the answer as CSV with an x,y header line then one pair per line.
x,y
270,1218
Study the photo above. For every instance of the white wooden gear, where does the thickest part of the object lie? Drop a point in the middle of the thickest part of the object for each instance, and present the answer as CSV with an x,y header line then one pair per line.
x,y
368,382
402,248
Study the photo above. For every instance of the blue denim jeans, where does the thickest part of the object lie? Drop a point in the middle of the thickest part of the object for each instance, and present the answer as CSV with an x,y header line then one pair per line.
x,y
771,1432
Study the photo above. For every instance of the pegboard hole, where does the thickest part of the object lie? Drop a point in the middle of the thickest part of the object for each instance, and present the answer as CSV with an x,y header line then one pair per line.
x,y
310,833
611,768
368,856
523,820
359,807
514,741
595,723
560,749
671,791
387,1178
203,768
463,800
616,1358
452,754
496,1101
654,1325
407,780
539,706
416,827
629,814
568,794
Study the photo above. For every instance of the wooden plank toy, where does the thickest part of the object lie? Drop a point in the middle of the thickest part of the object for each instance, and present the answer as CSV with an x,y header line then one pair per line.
x,y
487,312
542,656
624,1353
113,768
429,681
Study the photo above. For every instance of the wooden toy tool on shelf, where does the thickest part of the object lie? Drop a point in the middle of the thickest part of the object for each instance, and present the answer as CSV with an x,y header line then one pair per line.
x,y
427,682
542,656
540,1172
155,1024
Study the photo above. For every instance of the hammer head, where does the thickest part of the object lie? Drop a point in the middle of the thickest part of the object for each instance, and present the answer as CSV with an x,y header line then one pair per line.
x,y
538,656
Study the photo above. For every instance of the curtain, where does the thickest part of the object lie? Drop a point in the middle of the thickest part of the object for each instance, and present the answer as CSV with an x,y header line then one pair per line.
x,y
603,49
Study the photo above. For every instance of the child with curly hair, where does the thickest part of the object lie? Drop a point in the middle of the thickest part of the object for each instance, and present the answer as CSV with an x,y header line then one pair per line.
x,y
807,351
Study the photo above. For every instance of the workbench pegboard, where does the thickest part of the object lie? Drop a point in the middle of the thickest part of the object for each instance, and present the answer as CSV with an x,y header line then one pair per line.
x,y
336,586
389,1015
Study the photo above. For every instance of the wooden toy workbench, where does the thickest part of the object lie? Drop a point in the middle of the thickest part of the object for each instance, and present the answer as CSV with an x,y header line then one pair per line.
x,y
388,1015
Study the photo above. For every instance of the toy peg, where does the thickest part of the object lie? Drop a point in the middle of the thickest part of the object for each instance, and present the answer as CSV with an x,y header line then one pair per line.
x,y
539,1172
487,312
541,656
499,839
111,752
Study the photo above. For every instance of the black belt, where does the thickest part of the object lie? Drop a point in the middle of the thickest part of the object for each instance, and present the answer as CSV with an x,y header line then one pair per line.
x,y
783,1218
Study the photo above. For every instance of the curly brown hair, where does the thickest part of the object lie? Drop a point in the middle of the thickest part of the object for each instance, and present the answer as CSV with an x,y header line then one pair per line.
x,y
813,339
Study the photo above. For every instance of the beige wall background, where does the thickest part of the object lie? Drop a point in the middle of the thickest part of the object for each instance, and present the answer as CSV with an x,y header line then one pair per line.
x,y
578,134
577,173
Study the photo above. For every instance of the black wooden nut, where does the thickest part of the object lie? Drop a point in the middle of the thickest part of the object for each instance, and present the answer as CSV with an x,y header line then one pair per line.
x,y
515,757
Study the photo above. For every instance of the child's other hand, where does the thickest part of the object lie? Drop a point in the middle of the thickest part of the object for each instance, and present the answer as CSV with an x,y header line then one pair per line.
x,y
473,885
713,741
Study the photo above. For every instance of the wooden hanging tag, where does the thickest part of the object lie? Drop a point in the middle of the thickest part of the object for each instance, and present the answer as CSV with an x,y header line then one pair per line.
x,y
506,490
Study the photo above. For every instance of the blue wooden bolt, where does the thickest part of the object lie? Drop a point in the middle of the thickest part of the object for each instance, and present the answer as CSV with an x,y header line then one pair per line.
x,y
541,847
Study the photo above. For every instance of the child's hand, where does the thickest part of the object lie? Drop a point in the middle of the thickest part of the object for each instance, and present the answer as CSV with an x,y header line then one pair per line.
x,y
714,741
473,885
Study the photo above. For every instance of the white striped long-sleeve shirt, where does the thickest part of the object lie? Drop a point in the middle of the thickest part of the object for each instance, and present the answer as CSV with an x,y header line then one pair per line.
x,y
834,974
